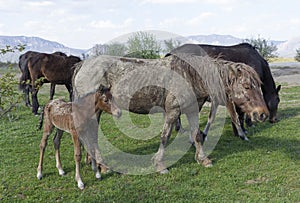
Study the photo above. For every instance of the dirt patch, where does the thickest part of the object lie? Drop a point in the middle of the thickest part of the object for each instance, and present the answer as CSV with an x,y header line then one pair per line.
x,y
290,76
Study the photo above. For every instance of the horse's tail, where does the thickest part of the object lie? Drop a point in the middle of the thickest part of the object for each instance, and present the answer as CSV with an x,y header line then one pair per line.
x,y
41,119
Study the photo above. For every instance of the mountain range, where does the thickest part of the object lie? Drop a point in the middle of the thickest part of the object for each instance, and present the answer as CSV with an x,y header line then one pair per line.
x,y
285,48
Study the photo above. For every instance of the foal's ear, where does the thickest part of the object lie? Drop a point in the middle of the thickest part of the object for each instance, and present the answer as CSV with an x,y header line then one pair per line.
x,y
101,89
278,88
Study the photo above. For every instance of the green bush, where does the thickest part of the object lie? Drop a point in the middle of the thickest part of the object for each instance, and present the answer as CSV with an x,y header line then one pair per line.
x,y
10,97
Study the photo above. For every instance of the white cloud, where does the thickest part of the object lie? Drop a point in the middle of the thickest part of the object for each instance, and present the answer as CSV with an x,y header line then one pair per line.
x,y
108,24
40,3
167,1
200,18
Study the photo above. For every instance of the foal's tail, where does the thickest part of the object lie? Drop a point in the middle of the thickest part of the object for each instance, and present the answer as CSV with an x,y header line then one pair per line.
x,y
41,119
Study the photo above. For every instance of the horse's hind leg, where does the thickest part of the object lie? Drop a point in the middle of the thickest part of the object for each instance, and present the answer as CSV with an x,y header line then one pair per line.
x,y
77,157
170,118
56,141
48,127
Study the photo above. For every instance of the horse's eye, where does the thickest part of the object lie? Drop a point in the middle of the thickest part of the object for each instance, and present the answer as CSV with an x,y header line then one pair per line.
x,y
247,87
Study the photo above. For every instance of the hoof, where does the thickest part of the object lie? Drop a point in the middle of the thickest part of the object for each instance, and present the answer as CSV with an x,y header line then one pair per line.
x,y
164,171
39,176
206,162
80,186
245,138
61,172
98,176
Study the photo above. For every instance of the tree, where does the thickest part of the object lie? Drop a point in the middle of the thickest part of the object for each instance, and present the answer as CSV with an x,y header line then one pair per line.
x,y
264,47
99,49
116,49
143,45
297,57
171,44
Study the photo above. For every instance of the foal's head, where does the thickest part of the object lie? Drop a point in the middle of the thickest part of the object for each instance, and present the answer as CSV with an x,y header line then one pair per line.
x,y
246,92
104,101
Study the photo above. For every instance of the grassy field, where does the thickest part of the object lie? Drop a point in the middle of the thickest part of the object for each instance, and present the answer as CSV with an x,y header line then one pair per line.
x,y
266,169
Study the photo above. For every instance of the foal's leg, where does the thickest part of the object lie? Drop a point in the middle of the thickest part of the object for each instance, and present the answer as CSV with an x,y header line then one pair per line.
x,y
198,137
236,121
56,141
48,127
96,169
170,118
77,157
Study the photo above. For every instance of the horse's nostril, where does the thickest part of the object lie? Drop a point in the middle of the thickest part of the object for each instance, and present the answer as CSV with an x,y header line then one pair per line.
x,y
262,116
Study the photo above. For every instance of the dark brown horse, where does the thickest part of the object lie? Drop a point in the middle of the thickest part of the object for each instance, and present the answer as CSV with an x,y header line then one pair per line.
x,y
51,68
174,86
60,114
243,53
25,79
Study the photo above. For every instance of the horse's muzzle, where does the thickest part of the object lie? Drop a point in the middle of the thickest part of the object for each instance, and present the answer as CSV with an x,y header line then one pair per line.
x,y
117,113
260,117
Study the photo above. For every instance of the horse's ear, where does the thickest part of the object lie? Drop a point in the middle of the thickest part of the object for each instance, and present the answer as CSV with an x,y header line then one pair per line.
x,y
278,88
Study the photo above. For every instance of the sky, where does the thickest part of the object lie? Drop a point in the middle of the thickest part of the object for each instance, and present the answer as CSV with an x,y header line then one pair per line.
x,y
83,23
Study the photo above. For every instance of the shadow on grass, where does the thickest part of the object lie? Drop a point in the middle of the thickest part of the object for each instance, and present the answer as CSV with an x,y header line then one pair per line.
x,y
264,136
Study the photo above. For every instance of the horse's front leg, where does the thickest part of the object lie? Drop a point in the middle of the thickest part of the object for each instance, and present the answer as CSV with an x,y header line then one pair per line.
x,y
56,141
170,118
235,120
70,90
52,90
198,138
35,102
26,93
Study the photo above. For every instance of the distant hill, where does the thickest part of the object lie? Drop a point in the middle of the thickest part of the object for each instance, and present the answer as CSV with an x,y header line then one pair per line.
x,y
285,48
34,44
288,48
215,39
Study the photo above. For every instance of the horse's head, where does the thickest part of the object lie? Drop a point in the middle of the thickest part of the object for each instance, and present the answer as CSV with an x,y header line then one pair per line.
x,y
246,92
273,100
104,101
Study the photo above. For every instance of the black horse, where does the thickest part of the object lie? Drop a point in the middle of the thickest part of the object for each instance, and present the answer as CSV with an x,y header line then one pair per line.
x,y
243,53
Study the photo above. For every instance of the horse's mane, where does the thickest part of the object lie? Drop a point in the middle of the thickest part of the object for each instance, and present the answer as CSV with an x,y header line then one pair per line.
x,y
242,70
204,71
216,75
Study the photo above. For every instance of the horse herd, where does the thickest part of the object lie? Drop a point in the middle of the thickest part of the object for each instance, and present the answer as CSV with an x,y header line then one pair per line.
x,y
235,76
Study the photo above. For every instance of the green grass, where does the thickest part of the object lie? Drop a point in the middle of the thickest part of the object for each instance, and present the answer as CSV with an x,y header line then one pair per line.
x,y
266,169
